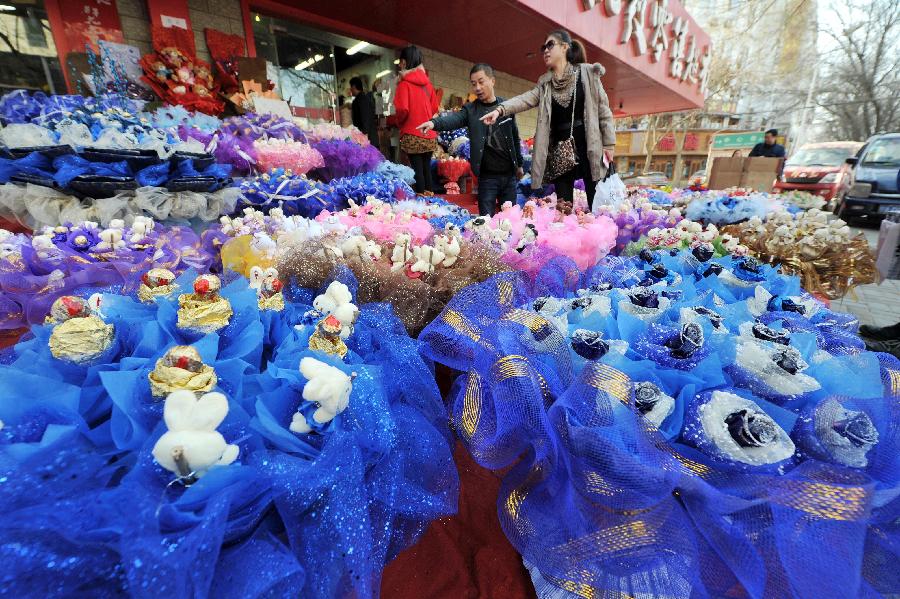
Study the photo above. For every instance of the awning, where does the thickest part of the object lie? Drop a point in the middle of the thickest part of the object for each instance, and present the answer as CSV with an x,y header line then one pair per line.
x,y
507,33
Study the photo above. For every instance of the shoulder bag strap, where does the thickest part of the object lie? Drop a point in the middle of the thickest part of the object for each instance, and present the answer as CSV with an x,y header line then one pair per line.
x,y
574,98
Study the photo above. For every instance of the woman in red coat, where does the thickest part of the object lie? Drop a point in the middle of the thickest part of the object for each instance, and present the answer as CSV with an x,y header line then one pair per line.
x,y
415,102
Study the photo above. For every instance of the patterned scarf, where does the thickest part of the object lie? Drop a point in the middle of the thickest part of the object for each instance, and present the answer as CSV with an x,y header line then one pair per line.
x,y
563,89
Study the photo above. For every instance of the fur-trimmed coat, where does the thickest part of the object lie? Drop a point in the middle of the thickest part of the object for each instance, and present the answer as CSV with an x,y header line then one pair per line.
x,y
599,127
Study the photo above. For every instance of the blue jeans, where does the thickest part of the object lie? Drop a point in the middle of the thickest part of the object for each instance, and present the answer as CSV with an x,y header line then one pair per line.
x,y
492,188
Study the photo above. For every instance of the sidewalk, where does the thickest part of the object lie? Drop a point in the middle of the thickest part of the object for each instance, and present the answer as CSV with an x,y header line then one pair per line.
x,y
876,304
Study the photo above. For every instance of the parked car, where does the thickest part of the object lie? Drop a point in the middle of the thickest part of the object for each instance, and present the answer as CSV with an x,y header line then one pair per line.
x,y
874,183
649,179
818,168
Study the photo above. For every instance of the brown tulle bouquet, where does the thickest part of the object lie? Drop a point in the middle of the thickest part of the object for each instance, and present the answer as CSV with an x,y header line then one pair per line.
x,y
417,280
825,254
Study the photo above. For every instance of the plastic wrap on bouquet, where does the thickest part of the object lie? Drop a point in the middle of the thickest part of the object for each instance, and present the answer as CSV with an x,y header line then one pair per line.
x,y
397,171
294,194
656,472
262,126
279,154
384,187
222,481
345,159
332,131
721,208
79,259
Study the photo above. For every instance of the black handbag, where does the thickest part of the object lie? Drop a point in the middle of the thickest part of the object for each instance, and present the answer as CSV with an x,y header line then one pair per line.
x,y
563,157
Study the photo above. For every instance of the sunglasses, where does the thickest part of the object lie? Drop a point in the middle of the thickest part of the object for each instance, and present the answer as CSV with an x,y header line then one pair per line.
x,y
549,45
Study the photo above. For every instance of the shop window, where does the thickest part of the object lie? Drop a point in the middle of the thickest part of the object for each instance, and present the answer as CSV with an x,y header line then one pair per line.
x,y
669,169
313,67
28,57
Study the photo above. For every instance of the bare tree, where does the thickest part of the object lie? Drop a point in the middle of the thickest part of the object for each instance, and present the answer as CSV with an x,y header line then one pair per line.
x,y
862,95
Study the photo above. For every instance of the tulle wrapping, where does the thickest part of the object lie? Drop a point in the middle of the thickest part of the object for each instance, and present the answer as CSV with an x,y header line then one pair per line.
x,y
583,239
35,206
31,280
382,225
599,499
309,515
416,301
293,194
296,156
722,209
345,159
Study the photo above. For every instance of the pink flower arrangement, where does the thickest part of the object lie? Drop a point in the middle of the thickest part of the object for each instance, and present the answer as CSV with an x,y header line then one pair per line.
x,y
296,157
332,131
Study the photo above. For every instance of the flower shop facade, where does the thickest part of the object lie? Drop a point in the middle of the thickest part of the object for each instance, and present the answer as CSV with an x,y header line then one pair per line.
x,y
655,54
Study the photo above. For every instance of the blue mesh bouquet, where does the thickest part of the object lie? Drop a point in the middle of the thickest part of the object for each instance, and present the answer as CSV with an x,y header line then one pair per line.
x,y
214,460
676,424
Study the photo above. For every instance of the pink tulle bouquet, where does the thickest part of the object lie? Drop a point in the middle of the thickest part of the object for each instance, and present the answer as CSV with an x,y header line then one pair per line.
x,y
296,157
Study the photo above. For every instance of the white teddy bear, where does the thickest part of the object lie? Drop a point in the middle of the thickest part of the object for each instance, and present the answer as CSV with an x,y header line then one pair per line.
x,y
338,301
356,245
192,445
498,239
140,228
264,244
453,231
449,246
402,251
326,385
117,223
111,239
44,246
481,228
427,257
529,236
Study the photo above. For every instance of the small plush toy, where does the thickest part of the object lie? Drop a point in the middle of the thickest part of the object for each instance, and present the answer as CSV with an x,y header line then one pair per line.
x,y
338,301
402,252
449,246
192,445
327,386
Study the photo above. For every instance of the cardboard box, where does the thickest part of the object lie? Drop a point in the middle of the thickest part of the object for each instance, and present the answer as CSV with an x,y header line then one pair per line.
x,y
725,173
751,173
760,173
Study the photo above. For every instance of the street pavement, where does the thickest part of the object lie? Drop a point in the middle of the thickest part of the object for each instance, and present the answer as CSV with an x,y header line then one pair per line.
x,y
877,304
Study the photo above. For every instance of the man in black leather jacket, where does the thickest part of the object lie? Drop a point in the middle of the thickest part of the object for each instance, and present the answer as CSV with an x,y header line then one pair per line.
x,y
496,154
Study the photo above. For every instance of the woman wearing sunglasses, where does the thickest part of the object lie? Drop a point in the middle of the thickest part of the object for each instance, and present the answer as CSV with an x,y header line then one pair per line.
x,y
575,134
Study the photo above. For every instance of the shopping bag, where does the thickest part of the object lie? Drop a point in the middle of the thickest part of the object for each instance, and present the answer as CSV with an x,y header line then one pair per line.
x,y
610,192
888,249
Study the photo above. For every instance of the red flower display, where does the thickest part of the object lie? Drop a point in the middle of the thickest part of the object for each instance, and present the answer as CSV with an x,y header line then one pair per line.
x,y
180,78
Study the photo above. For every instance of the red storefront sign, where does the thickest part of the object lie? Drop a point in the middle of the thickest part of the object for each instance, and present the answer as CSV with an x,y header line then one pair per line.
x,y
79,24
667,143
691,142
83,23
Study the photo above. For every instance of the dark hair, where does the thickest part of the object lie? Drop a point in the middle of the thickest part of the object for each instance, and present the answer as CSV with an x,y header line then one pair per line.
x,y
482,66
356,83
576,53
774,132
412,55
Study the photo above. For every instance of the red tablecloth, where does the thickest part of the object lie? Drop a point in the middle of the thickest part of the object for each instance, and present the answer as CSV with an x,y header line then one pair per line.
x,y
466,556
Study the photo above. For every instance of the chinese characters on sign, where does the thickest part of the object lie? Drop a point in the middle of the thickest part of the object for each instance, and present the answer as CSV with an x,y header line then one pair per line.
x,y
89,21
691,142
666,143
651,25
